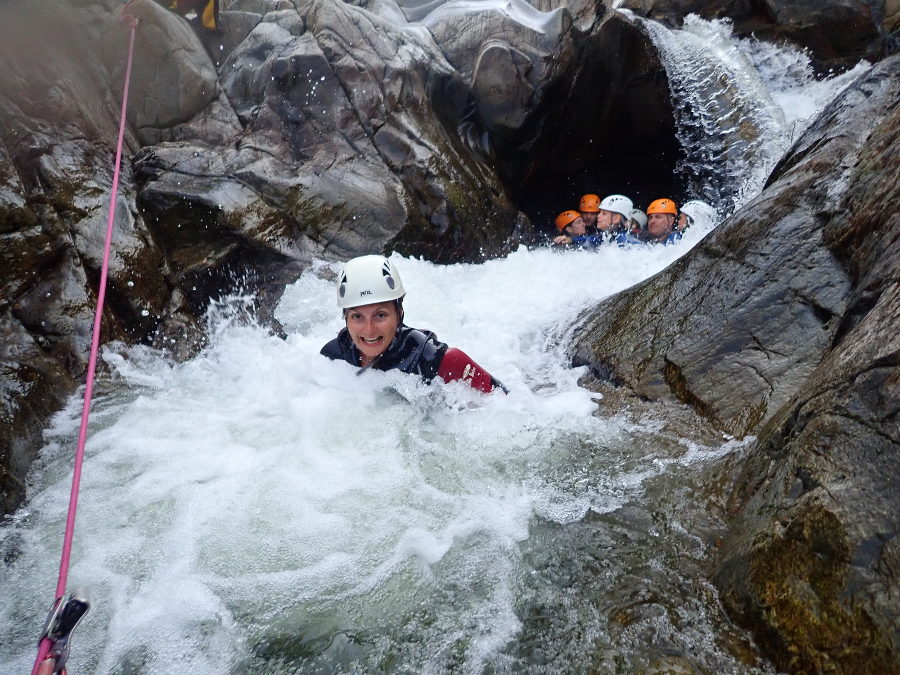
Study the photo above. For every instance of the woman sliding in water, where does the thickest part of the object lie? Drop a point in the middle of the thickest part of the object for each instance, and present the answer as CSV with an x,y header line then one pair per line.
x,y
370,293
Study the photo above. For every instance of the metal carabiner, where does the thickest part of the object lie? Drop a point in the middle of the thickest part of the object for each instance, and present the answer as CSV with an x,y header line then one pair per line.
x,y
62,619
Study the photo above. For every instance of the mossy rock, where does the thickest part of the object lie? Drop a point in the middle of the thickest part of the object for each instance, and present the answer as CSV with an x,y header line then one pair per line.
x,y
800,610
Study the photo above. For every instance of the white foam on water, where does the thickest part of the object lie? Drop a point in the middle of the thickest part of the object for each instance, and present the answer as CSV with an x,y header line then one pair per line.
x,y
245,488
794,86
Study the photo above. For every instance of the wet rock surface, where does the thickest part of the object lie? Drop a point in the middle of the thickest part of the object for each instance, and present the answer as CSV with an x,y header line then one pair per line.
x,y
55,178
782,323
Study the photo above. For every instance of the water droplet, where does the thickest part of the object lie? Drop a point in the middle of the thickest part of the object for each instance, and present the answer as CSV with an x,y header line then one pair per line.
x,y
145,312
130,284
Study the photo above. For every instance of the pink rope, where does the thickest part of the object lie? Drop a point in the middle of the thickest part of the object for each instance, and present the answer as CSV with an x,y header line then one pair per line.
x,y
45,643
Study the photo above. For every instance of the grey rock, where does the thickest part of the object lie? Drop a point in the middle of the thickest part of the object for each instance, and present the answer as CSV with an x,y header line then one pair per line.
x,y
318,92
501,86
166,91
55,180
33,385
782,323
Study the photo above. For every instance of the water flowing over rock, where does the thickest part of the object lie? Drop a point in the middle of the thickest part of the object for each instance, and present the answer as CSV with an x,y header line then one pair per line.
x,y
838,34
782,323
729,128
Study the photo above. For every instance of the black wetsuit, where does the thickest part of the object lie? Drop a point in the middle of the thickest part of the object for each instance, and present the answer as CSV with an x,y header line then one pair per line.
x,y
412,351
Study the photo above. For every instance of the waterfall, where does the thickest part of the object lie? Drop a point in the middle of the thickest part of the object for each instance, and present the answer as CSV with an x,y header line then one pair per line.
x,y
739,104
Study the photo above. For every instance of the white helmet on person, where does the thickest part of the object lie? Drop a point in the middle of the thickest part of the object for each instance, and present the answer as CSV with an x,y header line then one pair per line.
x,y
700,213
618,204
639,217
368,279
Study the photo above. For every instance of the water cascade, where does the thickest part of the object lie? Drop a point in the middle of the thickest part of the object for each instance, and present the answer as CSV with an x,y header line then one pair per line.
x,y
739,104
262,509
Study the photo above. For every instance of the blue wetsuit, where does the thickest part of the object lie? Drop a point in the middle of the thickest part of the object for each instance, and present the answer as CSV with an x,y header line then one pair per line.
x,y
628,238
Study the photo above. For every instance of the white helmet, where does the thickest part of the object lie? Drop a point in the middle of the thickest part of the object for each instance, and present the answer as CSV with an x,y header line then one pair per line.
x,y
701,213
618,204
640,217
366,280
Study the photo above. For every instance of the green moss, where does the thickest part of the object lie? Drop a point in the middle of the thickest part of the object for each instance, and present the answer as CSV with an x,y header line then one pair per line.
x,y
749,418
16,218
62,198
308,214
799,578
677,383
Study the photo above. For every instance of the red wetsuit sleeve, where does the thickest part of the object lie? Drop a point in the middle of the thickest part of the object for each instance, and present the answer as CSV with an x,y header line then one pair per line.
x,y
456,365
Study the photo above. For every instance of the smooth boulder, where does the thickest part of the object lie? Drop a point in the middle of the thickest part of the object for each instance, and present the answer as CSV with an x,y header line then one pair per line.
x,y
782,323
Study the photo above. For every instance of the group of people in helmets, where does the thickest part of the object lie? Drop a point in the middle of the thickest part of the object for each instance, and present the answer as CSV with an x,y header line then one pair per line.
x,y
370,292
615,219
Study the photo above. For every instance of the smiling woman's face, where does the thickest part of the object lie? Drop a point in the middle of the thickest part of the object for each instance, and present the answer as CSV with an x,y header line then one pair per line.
x,y
372,327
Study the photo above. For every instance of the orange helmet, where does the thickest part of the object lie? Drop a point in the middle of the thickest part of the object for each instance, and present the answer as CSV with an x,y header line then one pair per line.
x,y
589,204
565,218
662,206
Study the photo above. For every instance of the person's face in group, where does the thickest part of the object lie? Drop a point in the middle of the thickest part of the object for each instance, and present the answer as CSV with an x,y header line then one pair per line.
x,y
576,228
605,220
660,224
589,218
372,327
683,221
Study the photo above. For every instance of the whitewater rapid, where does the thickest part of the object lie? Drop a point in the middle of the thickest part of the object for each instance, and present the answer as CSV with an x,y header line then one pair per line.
x,y
262,489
